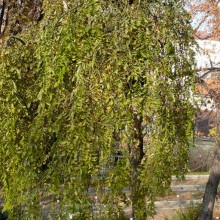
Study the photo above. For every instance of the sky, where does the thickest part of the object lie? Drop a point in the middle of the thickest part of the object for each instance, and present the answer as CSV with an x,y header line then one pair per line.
x,y
207,54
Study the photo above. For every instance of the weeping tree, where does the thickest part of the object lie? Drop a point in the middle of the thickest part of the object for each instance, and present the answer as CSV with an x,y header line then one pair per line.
x,y
96,100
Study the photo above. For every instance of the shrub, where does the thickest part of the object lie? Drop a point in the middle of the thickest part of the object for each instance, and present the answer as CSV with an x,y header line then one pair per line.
x,y
189,213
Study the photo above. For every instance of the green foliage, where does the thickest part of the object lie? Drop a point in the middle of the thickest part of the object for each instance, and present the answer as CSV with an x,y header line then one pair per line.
x,y
93,79
190,213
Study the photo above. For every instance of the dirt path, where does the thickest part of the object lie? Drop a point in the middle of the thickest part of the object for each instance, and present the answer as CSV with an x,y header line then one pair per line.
x,y
183,192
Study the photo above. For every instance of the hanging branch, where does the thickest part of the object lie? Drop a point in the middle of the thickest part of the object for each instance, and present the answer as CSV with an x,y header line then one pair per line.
x,y
14,38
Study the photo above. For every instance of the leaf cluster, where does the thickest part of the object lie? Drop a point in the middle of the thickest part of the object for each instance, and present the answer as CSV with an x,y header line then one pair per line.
x,y
93,79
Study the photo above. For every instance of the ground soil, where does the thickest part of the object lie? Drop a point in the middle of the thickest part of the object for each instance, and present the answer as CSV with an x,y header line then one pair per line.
x,y
174,196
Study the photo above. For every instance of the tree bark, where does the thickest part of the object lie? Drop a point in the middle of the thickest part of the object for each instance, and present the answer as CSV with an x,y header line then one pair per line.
x,y
137,154
209,197
3,17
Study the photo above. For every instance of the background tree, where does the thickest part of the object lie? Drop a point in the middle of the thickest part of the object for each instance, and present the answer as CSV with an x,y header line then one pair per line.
x,y
206,18
95,79
214,177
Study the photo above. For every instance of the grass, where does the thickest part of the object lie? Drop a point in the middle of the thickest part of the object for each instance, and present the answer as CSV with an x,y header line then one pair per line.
x,y
189,213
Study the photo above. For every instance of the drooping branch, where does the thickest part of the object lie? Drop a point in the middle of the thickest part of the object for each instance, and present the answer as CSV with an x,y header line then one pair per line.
x,y
208,71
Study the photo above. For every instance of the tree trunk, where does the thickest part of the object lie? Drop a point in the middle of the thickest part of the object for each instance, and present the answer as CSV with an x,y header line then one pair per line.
x,y
137,154
211,190
208,203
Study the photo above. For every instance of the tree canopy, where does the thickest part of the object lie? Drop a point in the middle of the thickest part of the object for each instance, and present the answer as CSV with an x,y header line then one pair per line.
x,y
93,80
206,18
